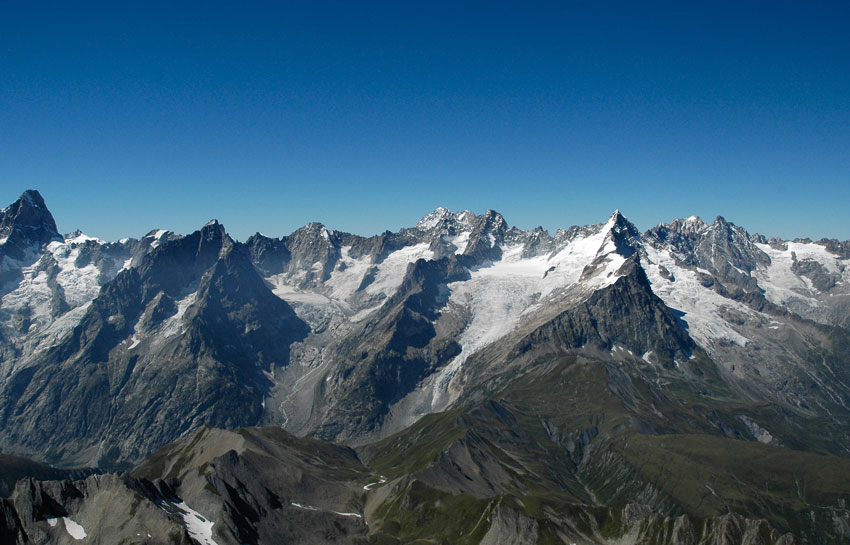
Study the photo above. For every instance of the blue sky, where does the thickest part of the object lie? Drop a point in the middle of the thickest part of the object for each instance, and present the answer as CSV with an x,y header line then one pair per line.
x,y
365,116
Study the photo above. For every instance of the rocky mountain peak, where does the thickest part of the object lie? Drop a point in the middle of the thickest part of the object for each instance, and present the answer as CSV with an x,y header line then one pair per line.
x,y
313,230
493,222
214,235
212,225
726,248
27,222
445,221
618,222
692,225
623,234
432,219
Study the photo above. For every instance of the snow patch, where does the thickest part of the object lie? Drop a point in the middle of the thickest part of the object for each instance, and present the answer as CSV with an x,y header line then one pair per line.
x,y
460,241
199,528
381,480
159,233
311,508
760,434
344,283
173,325
74,530
392,269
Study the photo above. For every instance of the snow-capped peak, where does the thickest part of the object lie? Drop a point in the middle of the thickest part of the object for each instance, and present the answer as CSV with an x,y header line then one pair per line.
x,y
618,222
432,219
455,221
157,233
78,237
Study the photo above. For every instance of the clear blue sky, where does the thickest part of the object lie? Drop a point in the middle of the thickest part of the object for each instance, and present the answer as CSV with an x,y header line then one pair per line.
x,y
364,116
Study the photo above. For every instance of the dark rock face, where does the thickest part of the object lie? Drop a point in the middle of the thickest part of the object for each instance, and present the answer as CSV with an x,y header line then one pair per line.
x,y
625,235
270,255
627,314
25,226
836,247
313,244
821,278
488,232
727,246
26,223
213,329
396,349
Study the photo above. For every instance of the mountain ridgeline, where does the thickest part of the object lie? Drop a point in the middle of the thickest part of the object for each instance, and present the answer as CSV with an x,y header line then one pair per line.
x,y
458,381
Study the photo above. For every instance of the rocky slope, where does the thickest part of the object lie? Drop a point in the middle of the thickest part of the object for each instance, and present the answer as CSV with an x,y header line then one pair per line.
x,y
473,476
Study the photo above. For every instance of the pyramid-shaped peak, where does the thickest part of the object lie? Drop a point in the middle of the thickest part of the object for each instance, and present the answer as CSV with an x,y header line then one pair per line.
x,y
28,220
33,198
618,217
618,221
30,199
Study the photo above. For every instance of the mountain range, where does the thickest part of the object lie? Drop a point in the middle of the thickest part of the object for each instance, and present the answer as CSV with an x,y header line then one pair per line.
x,y
458,381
